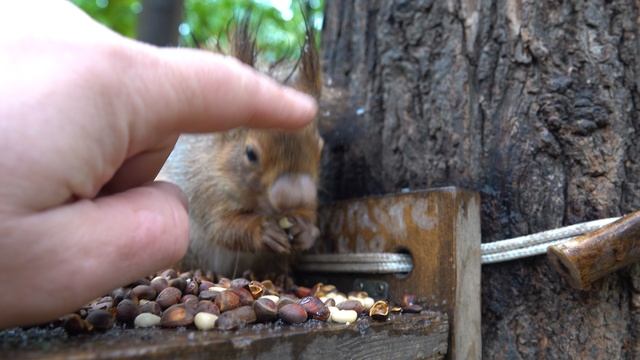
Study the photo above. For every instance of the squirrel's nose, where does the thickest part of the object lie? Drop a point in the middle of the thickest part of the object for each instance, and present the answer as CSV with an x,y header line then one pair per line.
x,y
292,191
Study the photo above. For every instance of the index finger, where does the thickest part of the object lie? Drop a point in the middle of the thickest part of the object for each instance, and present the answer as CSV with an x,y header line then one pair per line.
x,y
187,90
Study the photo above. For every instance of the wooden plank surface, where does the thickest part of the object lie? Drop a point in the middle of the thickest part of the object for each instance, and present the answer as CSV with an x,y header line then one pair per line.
x,y
440,228
407,336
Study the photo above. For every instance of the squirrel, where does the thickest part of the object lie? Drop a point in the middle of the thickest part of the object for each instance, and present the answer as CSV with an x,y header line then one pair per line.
x,y
252,193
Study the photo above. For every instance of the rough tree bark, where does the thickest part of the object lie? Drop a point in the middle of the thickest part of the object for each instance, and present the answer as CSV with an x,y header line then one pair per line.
x,y
531,103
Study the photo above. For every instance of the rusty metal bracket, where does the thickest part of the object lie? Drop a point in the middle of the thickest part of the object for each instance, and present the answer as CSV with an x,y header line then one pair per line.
x,y
377,289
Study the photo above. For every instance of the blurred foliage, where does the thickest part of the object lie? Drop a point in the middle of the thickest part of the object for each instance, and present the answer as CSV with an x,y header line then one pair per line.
x,y
280,23
119,15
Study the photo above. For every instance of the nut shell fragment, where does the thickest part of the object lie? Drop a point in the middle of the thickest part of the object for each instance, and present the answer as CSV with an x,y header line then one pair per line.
x,y
380,310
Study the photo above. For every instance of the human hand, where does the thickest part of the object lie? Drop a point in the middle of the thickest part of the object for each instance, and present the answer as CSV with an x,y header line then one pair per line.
x,y
87,118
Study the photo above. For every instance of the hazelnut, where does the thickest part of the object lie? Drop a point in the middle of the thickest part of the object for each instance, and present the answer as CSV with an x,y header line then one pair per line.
x,y
239,283
315,308
208,307
354,305
302,291
178,283
236,318
285,301
208,294
159,283
205,285
190,301
273,298
120,294
169,296
126,311
151,307
227,300
379,310
367,302
293,314
176,315
74,324
192,287
245,296
146,292
265,309
100,320
169,274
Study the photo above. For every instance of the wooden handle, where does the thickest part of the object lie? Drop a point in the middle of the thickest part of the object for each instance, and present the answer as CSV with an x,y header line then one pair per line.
x,y
591,256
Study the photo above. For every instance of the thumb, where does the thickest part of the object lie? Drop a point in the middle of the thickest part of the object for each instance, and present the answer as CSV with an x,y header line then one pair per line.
x,y
77,252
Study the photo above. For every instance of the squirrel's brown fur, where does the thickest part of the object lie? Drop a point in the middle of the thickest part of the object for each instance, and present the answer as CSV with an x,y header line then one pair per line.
x,y
242,182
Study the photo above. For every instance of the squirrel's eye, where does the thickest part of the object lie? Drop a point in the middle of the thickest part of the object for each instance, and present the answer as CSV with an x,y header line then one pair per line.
x,y
251,154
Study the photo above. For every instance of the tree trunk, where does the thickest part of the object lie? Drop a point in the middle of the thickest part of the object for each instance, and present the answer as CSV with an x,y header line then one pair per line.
x,y
158,23
531,103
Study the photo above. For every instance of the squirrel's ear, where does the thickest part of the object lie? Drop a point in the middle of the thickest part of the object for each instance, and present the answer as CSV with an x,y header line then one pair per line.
x,y
309,76
242,41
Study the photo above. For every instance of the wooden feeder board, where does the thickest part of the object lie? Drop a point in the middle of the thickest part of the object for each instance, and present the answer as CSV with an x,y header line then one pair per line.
x,y
440,228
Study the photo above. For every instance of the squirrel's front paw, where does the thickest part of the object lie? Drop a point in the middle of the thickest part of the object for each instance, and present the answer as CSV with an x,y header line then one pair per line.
x,y
303,233
274,238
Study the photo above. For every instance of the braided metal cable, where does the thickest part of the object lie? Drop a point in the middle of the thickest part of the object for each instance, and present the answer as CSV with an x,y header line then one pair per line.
x,y
544,237
370,263
494,252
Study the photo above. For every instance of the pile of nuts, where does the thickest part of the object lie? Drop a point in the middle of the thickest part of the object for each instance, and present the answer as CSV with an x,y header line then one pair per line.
x,y
171,300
